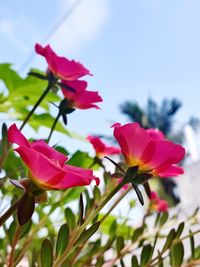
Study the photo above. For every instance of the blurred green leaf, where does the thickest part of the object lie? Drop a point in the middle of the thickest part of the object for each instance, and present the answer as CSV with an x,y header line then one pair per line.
x,y
146,254
70,217
119,243
134,261
46,254
180,230
87,234
192,245
62,240
177,254
163,218
81,159
170,238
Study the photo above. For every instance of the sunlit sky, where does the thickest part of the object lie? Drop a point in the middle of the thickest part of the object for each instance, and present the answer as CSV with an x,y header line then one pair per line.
x,y
135,49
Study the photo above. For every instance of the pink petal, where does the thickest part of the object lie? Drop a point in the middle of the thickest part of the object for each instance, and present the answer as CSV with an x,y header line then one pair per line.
x,y
170,171
155,134
16,137
166,153
61,66
101,148
48,151
133,141
75,176
41,168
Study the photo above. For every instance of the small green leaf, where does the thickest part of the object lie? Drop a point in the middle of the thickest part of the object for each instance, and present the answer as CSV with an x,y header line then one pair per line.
x,y
26,208
177,254
46,254
180,230
146,254
163,218
113,228
87,234
119,243
170,238
134,261
192,245
81,210
25,229
147,189
62,240
97,193
137,233
38,75
70,217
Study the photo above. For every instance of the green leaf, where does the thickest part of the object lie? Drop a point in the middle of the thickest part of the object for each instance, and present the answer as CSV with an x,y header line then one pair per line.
x,y
81,210
170,238
46,254
197,253
113,228
192,245
97,193
70,217
62,240
10,77
26,208
146,254
137,233
81,159
163,218
177,254
180,230
87,234
119,243
134,261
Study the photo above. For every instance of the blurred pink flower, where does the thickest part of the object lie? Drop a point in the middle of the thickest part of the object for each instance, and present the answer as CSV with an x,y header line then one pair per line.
x,y
81,98
158,204
101,148
158,156
61,67
47,166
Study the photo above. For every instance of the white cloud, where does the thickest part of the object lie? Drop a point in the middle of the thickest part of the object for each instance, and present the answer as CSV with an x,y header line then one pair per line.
x,y
82,26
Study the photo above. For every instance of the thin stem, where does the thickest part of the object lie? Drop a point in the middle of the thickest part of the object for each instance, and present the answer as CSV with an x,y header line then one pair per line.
x,y
116,203
36,105
9,212
70,247
53,126
14,243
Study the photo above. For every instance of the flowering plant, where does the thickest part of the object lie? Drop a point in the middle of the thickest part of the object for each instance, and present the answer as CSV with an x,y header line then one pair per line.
x,y
43,187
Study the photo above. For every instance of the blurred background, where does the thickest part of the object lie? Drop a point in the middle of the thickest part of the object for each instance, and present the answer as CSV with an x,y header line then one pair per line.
x,y
144,56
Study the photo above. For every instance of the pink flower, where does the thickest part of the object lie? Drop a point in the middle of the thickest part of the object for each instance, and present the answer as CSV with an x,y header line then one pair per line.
x,y
101,148
157,156
158,204
47,166
81,98
62,67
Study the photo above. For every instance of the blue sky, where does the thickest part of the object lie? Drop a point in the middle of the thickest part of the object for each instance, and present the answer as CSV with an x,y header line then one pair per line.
x,y
134,48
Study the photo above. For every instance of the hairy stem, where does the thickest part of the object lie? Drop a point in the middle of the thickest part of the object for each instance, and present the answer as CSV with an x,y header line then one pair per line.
x,y
70,248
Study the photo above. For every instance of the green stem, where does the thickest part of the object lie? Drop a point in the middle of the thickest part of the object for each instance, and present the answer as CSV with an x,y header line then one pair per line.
x,y
53,126
70,247
116,203
36,105
9,212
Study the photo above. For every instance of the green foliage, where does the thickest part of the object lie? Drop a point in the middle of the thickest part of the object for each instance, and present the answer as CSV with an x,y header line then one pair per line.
x,y
46,254
62,240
